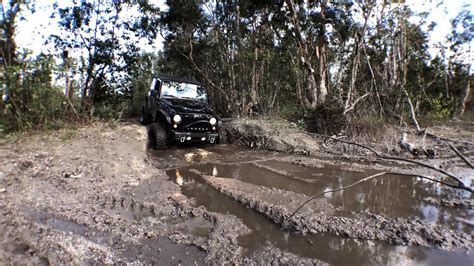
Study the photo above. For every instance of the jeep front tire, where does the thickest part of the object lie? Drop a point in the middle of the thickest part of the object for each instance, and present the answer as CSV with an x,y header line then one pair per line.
x,y
222,135
158,136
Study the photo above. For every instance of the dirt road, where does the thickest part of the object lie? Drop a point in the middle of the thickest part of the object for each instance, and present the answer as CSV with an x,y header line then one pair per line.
x,y
97,195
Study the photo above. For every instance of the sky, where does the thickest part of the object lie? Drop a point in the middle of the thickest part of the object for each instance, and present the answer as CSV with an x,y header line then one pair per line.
x,y
35,28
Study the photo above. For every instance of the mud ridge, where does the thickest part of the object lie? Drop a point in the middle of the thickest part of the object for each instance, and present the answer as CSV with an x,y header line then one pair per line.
x,y
312,219
284,173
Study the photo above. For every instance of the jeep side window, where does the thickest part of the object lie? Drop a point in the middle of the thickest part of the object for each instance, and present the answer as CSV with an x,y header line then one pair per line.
x,y
152,91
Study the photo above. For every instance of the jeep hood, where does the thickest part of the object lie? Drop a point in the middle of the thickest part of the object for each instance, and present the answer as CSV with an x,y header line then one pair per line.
x,y
187,106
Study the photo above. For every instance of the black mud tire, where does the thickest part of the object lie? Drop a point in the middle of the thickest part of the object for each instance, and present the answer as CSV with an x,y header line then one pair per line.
x,y
146,116
158,136
222,135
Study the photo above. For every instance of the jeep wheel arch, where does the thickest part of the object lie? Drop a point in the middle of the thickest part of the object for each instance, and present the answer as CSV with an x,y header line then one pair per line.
x,y
146,116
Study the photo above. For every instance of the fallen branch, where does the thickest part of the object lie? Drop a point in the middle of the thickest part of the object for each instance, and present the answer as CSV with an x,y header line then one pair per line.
x,y
425,177
447,139
368,178
466,160
393,158
334,190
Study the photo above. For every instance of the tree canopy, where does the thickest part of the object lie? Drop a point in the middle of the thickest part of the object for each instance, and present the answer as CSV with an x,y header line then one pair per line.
x,y
296,58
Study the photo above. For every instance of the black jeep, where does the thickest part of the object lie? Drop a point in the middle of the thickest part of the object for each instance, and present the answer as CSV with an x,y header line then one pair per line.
x,y
177,110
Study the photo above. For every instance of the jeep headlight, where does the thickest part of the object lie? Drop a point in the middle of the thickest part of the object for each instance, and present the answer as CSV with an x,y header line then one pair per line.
x,y
177,119
213,121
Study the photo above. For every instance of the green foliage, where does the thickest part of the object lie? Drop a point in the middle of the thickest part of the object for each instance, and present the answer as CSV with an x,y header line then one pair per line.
x,y
140,75
439,109
324,119
33,102
249,55
110,112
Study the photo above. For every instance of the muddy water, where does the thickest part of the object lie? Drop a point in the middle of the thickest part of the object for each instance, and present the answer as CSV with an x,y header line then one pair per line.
x,y
389,196
151,251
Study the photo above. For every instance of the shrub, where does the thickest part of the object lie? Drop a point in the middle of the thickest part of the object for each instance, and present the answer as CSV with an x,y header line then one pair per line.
x,y
327,119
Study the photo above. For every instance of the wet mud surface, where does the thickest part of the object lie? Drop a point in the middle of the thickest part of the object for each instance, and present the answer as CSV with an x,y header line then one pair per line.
x,y
101,197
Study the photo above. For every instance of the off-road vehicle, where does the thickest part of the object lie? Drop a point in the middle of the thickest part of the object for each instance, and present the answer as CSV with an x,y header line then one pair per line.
x,y
177,110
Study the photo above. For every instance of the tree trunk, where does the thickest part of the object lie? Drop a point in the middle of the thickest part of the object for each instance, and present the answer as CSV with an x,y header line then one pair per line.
x,y
253,87
322,88
466,93
311,86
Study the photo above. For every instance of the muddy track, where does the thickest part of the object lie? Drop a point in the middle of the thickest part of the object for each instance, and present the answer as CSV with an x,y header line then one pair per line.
x,y
278,205
96,195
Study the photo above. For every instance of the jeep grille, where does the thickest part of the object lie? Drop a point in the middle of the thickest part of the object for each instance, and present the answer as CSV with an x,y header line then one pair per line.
x,y
199,126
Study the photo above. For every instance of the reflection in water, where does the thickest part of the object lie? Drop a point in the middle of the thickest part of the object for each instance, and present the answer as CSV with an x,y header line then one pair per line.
x,y
179,178
329,248
214,171
391,196
429,212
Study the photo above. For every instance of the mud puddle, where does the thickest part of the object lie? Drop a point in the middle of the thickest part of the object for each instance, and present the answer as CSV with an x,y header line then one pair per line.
x,y
177,157
391,196
325,247
152,250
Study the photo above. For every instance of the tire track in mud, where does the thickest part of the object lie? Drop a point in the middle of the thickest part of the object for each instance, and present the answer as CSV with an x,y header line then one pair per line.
x,y
285,174
218,239
126,235
363,226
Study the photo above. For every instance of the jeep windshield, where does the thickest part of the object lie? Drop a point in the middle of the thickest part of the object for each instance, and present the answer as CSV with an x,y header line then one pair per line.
x,y
181,90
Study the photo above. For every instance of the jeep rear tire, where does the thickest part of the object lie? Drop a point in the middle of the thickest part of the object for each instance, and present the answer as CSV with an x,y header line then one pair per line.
x,y
158,136
222,135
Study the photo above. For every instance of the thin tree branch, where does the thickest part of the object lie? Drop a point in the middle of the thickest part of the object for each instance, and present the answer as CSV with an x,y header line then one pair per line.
x,y
466,160
393,158
368,178
447,139
334,190
424,177
349,108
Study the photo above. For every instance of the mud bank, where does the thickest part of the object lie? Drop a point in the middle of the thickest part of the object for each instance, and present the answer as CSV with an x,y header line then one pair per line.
x,y
279,135
52,200
96,195
276,136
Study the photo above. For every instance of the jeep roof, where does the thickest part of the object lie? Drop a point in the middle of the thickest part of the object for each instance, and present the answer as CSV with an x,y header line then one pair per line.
x,y
178,79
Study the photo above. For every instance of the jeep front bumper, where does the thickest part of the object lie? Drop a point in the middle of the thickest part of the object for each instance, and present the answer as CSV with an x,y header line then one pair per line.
x,y
184,137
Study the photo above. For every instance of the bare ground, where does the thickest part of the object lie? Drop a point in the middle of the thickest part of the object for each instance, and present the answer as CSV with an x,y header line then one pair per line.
x,y
95,195
84,197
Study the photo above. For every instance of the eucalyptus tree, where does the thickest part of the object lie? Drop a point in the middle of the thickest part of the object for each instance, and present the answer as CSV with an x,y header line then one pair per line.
x,y
10,13
461,45
90,31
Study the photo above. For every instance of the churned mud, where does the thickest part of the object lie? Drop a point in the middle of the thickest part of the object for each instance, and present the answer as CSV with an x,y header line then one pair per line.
x,y
97,195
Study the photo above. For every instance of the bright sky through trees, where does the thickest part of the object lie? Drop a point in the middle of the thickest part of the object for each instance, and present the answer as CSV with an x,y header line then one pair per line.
x,y
35,28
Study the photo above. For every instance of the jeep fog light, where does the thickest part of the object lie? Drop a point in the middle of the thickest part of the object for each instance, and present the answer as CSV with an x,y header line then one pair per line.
x,y
213,121
177,119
